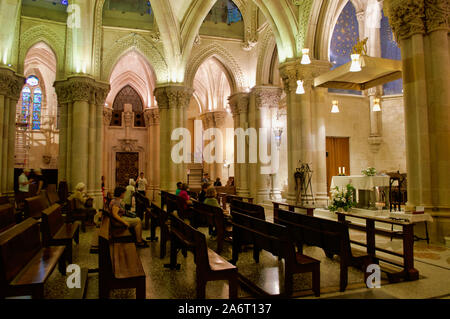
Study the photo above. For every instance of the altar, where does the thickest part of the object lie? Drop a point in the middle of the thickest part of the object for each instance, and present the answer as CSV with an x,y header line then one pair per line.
x,y
365,186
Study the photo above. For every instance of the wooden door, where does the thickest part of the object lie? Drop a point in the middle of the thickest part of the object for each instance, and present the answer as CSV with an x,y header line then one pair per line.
x,y
338,155
127,166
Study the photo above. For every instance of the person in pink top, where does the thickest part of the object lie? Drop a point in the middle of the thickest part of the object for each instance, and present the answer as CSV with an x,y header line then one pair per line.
x,y
184,194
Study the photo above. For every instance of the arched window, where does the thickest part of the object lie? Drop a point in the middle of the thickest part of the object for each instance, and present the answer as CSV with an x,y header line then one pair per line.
x,y
31,104
345,36
128,95
390,50
224,11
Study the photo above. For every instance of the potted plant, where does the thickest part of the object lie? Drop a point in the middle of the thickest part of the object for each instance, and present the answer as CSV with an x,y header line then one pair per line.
x,y
370,171
342,200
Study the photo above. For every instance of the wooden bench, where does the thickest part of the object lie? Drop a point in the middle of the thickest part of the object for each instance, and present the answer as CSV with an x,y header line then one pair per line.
x,y
158,218
228,198
209,265
7,218
211,217
247,209
119,264
275,239
52,195
55,232
119,234
4,200
291,207
331,236
35,205
24,265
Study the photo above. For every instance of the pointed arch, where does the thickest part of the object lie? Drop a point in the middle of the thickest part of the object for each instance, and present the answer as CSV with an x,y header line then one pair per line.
x,y
266,50
232,68
146,48
42,33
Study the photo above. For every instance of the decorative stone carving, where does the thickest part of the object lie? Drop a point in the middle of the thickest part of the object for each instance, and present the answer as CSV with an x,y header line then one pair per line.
x,y
267,96
107,116
375,143
437,13
10,83
214,119
239,103
406,17
81,89
151,116
176,97
292,71
128,145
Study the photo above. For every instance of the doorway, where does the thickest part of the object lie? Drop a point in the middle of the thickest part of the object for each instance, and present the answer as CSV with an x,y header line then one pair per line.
x,y
338,155
127,166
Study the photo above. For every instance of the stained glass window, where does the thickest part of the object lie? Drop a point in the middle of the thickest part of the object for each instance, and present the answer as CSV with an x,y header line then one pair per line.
x,y
225,11
31,104
37,103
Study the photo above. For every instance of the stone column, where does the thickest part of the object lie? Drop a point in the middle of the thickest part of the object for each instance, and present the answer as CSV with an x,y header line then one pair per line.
x,y
239,104
300,118
216,120
421,28
81,135
107,116
10,87
266,99
173,101
152,120
375,138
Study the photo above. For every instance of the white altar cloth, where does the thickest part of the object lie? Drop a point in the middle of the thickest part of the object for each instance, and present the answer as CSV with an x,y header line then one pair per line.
x,y
360,181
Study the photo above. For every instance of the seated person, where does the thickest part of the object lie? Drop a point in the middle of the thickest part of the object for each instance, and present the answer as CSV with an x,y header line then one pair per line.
x,y
129,192
230,181
218,182
211,199
117,210
202,194
86,202
184,194
177,192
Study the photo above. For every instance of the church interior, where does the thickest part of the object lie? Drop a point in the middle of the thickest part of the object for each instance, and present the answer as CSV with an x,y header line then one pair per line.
x,y
224,149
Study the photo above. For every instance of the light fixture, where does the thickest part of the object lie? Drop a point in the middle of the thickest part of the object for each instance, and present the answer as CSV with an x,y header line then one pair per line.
x,y
335,107
300,88
356,63
305,57
376,105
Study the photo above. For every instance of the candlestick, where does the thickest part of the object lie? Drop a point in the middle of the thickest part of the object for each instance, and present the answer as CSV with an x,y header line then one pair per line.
x,y
340,170
343,170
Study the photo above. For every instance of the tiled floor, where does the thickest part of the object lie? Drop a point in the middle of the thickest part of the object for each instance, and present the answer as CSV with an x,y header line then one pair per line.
x,y
167,284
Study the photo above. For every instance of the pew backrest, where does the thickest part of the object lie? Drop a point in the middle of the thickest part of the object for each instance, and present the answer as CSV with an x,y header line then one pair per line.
x,y
7,219
104,254
183,231
18,245
52,221
207,214
333,236
248,209
35,205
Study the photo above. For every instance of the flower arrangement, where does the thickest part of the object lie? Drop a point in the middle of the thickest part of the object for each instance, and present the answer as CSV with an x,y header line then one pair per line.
x,y
370,171
342,200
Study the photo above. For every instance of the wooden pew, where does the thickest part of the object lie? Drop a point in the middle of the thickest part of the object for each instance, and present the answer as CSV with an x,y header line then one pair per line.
x,y
212,217
52,195
76,212
209,265
291,207
120,234
35,205
159,218
57,233
247,209
275,239
119,264
24,265
331,236
228,198
4,200
142,203
7,218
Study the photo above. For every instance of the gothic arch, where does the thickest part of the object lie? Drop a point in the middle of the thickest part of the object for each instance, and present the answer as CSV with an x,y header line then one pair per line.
x,y
136,42
266,50
42,33
233,71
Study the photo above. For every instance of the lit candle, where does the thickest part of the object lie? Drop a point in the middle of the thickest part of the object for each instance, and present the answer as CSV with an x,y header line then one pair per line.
x,y
343,170
340,170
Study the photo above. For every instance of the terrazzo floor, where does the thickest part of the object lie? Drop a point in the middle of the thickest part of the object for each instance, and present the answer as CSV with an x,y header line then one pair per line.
x,y
162,283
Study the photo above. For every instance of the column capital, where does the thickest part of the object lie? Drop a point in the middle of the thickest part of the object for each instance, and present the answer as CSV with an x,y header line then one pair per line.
x,y
81,88
293,70
239,103
215,119
151,116
267,96
11,83
173,96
